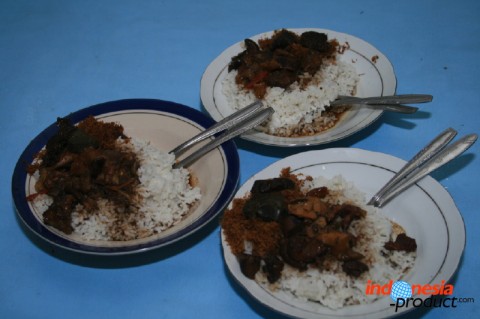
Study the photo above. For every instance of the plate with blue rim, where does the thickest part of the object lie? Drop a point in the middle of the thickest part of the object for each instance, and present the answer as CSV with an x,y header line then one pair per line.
x,y
164,124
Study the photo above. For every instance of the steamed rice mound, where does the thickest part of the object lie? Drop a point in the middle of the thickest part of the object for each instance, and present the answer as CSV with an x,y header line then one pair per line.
x,y
165,196
299,110
329,286
333,288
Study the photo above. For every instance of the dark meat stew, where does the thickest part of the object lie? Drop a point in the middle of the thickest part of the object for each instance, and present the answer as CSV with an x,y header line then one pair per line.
x,y
81,164
286,225
281,60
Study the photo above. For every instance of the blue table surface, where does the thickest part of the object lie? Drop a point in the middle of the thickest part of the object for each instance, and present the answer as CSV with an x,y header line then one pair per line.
x,y
59,56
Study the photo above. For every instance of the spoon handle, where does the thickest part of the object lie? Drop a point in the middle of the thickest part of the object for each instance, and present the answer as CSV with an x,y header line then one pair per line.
x,y
392,99
420,158
224,124
247,124
398,108
443,157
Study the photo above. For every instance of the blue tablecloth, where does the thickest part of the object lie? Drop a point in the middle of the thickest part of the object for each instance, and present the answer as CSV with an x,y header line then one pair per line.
x,y
59,56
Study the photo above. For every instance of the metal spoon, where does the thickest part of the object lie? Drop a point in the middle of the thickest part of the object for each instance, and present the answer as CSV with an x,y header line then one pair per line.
x,y
388,99
420,158
222,125
386,103
398,108
441,158
238,127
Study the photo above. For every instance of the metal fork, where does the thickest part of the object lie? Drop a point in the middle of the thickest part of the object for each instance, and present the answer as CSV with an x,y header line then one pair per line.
x,y
430,158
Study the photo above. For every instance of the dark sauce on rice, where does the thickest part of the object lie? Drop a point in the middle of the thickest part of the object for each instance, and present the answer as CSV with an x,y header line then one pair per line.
x,y
82,164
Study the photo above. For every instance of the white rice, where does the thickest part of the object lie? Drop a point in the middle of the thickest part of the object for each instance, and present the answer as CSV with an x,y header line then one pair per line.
x,y
166,196
333,288
296,105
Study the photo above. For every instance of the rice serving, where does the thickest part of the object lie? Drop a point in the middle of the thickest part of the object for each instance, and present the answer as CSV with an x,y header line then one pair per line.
x,y
297,109
328,285
301,107
333,288
162,198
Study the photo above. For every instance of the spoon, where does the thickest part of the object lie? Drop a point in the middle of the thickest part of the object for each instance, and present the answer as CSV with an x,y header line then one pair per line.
x,y
390,103
225,124
435,155
237,124
388,99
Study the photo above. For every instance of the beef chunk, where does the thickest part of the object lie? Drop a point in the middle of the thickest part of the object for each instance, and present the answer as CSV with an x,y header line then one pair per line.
x,y
402,242
299,250
249,265
349,213
354,268
268,207
58,214
315,40
272,185
281,78
319,192
273,268
283,39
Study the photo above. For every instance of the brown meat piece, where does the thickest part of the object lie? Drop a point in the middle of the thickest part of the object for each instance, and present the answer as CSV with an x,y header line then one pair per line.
x,y
348,213
350,255
82,164
266,206
310,233
402,242
319,192
315,40
283,39
58,215
340,242
309,208
317,226
272,185
290,224
280,61
281,78
354,268
58,143
299,251
273,268
249,265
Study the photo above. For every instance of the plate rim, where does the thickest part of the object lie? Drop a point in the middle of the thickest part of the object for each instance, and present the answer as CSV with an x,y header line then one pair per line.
x,y
229,153
445,272
207,95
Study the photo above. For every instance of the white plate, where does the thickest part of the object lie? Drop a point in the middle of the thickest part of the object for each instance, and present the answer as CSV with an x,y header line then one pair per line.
x,y
376,78
165,124
426,211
